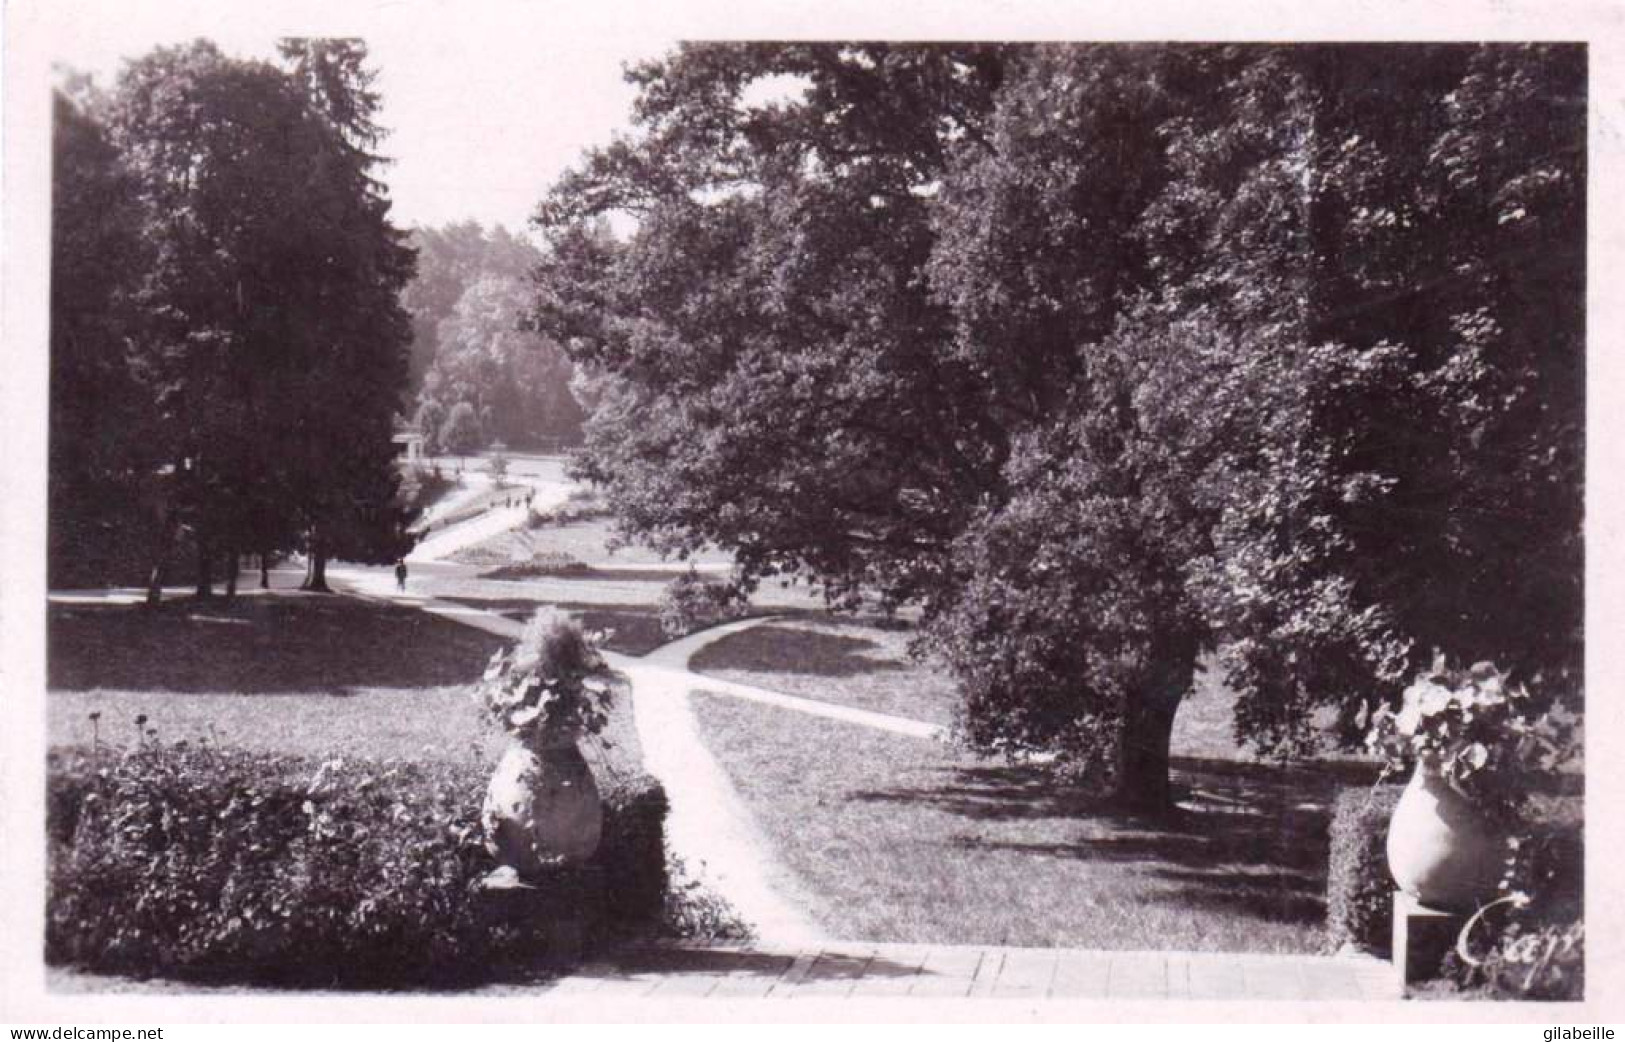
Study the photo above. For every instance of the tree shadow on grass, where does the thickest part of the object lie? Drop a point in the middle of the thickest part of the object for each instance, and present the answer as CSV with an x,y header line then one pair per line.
x,y
633,629
259,645
1247,839
791,649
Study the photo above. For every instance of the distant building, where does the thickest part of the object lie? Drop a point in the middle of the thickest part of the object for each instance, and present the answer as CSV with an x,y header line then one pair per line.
x,y
408,443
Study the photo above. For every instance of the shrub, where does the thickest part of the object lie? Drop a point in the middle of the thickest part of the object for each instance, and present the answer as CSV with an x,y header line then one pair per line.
x,y
580,505
694,911
420,488
1359,889
552,680
692,602
497,467
197,861
1490,738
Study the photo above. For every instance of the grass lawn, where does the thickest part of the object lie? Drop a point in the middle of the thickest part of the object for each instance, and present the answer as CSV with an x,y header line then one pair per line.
x,y
634,629
305,674
907,840
834,660
912,841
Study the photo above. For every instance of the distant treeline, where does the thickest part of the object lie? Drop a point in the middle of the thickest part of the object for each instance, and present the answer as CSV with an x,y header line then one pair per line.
x,y
479,375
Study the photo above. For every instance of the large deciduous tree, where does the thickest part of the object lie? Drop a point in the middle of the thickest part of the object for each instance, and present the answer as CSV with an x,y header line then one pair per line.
x,y
226,157
1107,355
788,386
471,343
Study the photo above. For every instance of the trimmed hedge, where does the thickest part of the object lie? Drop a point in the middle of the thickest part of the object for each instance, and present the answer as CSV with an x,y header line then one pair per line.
x,y
1359,889
197,861
632,854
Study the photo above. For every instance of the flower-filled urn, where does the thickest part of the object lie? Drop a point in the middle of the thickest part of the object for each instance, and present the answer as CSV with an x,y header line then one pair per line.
x,y
1472,739
542,808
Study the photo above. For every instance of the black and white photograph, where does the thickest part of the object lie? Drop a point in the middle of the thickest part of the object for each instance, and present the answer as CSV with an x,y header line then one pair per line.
x,y
576,513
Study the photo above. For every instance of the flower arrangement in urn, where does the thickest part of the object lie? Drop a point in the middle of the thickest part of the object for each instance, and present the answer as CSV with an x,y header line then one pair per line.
x,y
1477,739
542,808
552,683
1480,731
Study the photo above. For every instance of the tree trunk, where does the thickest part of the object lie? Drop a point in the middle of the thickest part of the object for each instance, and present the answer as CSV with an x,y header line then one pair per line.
x,y
1142,780
205,569
155,577
1143,784
265,569
316,575
233,565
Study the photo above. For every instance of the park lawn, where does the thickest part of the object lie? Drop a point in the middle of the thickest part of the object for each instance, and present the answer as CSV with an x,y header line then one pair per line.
x,y
864,663
851,662
909,840
293,673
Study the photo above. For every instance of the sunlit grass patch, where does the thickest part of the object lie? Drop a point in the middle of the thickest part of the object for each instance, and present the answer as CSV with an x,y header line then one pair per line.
x,y
834,660
909,840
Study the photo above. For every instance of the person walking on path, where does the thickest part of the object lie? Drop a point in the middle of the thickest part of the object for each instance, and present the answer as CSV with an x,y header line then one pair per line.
x,y
400,575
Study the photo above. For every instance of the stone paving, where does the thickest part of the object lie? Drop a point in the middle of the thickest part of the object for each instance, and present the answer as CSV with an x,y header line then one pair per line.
x,y
859,971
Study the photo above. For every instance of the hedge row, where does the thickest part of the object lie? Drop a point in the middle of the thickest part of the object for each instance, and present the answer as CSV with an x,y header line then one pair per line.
x,y
1359,888
197,861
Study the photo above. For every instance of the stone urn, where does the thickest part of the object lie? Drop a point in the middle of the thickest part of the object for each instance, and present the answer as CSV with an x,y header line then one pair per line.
x,y
1443,850
542,808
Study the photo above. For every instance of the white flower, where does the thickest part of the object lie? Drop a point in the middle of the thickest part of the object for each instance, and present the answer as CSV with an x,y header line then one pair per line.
x,y
1435,699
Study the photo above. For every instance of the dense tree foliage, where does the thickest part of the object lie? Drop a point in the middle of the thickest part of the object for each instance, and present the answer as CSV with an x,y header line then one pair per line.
x,y
1107,355
786,389
100,435
262,331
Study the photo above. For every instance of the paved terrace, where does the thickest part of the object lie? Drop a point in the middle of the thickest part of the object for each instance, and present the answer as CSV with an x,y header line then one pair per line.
x,y
855,970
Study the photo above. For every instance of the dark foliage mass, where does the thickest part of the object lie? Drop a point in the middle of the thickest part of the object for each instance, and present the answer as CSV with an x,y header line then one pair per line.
x,y
1106,356
228,347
